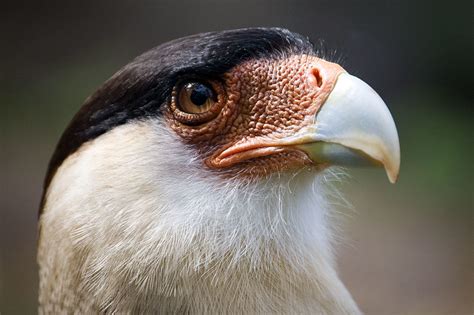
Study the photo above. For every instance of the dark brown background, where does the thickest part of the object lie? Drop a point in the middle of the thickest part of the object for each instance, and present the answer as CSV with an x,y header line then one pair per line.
x,y
409,245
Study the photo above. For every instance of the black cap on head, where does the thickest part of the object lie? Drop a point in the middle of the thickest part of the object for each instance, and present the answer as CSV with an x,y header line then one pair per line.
x,y
140,88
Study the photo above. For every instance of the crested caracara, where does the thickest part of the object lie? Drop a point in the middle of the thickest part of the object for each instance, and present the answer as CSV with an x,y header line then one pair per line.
x,y
195,181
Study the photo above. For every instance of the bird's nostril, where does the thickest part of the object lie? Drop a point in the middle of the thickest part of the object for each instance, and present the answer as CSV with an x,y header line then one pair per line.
x,y
314,78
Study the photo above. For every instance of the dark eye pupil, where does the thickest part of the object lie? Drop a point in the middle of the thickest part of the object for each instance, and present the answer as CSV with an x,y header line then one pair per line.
x,y
200,94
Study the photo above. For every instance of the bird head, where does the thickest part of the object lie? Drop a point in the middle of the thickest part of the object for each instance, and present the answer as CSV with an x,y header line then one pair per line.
x,y
248,103
198,165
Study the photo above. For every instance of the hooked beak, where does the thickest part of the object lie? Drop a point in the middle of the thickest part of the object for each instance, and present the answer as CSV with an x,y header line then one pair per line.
x,y
353,127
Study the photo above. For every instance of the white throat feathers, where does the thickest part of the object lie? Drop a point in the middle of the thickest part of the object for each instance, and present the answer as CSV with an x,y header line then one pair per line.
x,y
175,237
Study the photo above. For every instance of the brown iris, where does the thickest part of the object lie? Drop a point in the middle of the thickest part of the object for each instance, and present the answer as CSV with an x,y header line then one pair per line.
x,y
195,98
194,103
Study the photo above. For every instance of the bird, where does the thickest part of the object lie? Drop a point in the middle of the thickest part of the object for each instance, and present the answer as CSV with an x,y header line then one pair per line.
x,y
197,180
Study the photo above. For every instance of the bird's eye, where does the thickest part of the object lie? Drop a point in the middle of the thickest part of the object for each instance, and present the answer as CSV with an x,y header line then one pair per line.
x,y
196,98
197,102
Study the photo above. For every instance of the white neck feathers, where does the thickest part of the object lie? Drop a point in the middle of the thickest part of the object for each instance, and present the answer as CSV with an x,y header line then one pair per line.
x,y
173,236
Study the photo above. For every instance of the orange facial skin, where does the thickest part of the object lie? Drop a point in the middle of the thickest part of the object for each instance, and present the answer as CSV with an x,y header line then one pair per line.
x,y
260,102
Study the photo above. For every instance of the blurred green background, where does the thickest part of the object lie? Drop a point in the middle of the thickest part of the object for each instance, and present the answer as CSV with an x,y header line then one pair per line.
x,y
408,247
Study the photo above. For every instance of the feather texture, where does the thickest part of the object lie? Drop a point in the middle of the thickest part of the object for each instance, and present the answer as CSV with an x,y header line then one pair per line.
x,y
175,237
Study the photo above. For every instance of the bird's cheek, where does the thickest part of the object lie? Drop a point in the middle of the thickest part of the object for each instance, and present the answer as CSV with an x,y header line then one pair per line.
x,y
276,106
206,133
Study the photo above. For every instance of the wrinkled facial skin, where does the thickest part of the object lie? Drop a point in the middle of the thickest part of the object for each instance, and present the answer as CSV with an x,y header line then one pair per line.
x,y
259,102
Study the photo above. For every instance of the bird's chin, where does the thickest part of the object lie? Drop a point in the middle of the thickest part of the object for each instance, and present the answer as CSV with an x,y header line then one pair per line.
x,y
263,162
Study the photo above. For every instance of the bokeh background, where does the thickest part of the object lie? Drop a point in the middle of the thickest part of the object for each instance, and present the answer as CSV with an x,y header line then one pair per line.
x,y
408,247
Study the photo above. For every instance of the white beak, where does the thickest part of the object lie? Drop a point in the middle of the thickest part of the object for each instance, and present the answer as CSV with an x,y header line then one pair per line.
x,y
354,127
